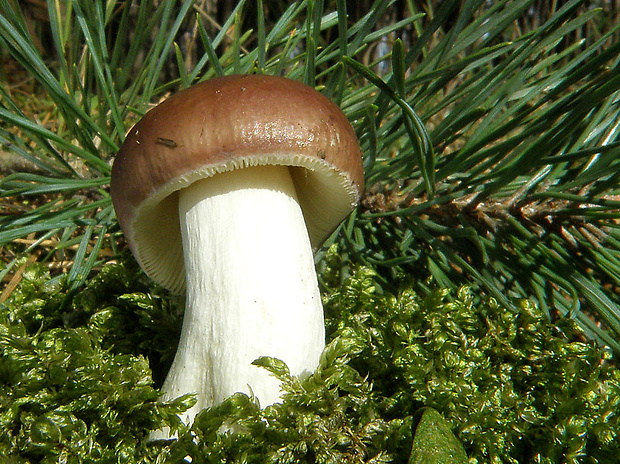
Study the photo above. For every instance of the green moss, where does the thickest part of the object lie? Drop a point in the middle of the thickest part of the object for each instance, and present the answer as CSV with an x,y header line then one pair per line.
x,y
514,387
67,393
78,378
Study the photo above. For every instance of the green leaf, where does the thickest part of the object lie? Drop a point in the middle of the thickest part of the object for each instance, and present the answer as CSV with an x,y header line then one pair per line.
x,y
277,367
434,442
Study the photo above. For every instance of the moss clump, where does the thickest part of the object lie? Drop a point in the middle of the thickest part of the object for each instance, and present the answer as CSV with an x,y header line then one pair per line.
x,y
515,387
77,382
67,393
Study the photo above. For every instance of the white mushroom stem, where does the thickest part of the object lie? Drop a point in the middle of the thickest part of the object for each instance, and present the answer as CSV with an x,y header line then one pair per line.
x,y
251,287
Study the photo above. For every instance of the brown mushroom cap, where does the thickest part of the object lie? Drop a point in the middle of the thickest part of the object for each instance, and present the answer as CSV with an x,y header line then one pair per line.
x,y
223,124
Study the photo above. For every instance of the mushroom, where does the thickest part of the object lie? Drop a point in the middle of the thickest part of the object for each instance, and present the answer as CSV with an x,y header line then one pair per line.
x,y
224,191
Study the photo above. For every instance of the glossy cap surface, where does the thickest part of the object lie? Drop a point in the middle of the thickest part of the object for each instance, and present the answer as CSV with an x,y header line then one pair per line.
x,y
227,123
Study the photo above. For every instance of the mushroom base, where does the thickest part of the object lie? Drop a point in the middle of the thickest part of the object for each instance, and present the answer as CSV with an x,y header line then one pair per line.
x,y
251,288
